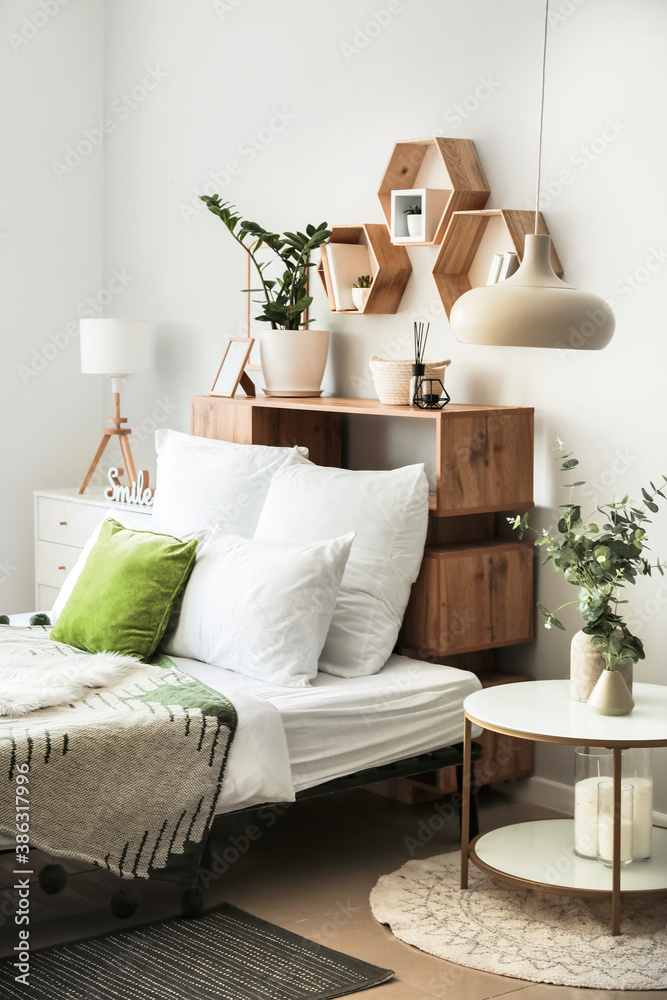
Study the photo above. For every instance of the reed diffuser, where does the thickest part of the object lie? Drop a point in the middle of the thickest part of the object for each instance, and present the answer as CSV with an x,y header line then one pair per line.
x,y
420,333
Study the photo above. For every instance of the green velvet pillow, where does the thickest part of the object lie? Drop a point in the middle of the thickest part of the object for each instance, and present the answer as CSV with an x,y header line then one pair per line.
x,y
128,588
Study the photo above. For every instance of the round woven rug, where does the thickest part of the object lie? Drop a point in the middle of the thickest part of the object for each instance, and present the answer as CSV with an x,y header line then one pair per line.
x,y
538,936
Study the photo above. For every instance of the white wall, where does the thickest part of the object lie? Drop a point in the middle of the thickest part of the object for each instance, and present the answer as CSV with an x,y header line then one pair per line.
x,y
51,80
327,90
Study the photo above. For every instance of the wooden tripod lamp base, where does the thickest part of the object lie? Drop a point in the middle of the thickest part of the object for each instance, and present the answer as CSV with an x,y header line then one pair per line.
x,y
122,433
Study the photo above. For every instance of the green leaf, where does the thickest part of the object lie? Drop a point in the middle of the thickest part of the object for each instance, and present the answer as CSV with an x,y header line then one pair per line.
x,y
570,463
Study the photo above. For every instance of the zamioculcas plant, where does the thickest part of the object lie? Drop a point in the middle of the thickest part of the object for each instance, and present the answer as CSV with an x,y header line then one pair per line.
x,y
363,281
413,210
285,298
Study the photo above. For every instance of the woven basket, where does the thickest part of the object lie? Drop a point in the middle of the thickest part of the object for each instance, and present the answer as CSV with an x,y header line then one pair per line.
x,y
392,378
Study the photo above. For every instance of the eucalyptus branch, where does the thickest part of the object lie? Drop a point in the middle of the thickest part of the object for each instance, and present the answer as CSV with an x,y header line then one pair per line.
x,y
601,560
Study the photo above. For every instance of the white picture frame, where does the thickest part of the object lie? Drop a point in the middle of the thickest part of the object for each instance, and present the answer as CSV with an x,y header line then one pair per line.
x,y
231,372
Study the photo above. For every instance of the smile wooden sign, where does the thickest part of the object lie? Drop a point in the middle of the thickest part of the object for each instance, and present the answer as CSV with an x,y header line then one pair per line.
x,y
139,493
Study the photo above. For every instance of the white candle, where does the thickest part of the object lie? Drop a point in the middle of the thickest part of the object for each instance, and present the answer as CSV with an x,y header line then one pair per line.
x,y
642,818
586,817
606,839
606,822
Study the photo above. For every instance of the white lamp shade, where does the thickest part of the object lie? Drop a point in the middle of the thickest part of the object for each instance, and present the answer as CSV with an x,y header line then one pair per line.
x,y
533,308
115,347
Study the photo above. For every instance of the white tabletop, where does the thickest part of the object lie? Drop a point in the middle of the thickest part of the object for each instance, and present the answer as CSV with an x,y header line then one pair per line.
x,y
544,711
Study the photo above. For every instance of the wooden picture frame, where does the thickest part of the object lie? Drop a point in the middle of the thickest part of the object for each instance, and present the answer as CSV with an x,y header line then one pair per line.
x,y
231,372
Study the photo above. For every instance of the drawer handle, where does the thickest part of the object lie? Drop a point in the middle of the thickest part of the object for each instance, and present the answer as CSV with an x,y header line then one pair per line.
x,y
62,567
63,524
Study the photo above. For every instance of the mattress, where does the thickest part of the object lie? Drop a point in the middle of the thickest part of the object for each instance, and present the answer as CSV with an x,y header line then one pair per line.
x,y
290,739
341,725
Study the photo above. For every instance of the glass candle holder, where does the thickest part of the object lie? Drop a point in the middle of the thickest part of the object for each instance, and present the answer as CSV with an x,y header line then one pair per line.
x,y
606,822
638,769
591,765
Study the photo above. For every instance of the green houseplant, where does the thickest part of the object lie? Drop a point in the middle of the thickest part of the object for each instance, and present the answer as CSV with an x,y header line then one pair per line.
x,y
361,289
413,219
601,554
293,360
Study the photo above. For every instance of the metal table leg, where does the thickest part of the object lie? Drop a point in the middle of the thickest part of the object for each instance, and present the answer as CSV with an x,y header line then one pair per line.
x,y
465,807
616,856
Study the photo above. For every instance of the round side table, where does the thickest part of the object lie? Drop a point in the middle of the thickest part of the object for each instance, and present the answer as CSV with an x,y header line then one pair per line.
x,y
540,854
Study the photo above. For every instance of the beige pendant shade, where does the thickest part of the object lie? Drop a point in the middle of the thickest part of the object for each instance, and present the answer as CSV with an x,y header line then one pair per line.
x,y
533,308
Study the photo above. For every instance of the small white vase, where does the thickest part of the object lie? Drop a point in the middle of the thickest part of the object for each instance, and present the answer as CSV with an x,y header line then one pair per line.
x,y
587,665
360,297
610,696
293,361
414,225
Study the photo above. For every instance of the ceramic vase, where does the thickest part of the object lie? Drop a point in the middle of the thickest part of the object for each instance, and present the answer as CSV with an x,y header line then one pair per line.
x,y
610,696
359,296
293,361
414,225
587,665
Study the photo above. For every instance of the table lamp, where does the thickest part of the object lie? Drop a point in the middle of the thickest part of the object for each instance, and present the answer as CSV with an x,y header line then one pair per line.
x,y
118,348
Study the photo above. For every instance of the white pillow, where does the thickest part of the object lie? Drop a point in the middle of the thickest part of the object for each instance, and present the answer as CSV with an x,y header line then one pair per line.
x,y
389,513
259,608
128,519
201,481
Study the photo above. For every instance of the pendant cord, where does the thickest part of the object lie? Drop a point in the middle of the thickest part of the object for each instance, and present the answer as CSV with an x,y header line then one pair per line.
x,y
539,148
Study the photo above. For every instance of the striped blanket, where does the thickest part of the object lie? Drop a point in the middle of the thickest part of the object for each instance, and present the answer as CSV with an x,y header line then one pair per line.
x,y
126,778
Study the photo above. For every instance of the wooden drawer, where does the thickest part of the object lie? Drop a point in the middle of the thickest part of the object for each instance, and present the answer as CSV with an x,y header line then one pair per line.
x,y
53,563
65,522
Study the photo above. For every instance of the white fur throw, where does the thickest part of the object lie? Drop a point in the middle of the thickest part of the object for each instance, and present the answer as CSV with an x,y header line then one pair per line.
x,y
28,682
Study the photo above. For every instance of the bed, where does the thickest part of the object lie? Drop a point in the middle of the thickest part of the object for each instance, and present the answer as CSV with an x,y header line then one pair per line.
x,y
295,575
335,734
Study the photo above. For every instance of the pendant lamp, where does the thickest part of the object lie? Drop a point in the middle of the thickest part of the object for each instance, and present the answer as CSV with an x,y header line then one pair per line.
x,y
533,307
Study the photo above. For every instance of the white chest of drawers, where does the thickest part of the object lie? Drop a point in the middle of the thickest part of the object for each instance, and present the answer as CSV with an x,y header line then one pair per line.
x,y
63,522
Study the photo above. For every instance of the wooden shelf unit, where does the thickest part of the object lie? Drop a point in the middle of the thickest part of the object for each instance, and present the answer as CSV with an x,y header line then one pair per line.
x,y
474,593
465,186
390,268
461,242
484,454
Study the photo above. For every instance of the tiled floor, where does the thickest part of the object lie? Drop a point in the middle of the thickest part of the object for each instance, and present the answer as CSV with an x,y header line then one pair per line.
x,y
310,870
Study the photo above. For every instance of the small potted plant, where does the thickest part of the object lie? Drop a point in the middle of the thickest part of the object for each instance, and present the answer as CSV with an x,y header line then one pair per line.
x,y
599,554
293,357
413,214
361,289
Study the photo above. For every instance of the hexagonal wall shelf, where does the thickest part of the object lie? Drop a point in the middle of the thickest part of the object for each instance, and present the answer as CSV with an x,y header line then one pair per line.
x,y
389,265
465,186
460,246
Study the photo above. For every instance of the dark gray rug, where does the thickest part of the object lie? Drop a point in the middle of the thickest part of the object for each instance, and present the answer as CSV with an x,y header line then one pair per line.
x,y
224,955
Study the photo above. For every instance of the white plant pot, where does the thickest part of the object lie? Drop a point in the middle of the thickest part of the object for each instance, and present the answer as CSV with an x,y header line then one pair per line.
x,y
360,297
293,361
415,225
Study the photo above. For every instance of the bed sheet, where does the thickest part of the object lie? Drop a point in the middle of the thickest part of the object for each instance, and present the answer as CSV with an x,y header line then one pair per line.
x,y
341,725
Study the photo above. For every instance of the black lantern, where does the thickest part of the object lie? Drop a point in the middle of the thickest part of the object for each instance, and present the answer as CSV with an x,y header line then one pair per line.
x,y
430,394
